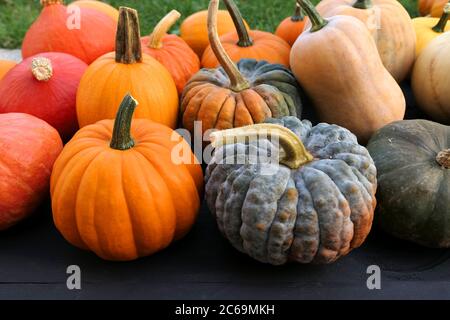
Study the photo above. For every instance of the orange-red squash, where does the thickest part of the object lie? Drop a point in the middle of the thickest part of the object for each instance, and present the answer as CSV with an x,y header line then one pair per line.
x,y
127,70
82,32
29,147
172,51
5,66
117,191
425,6
244,44
100,6
438,8
290,28
45,86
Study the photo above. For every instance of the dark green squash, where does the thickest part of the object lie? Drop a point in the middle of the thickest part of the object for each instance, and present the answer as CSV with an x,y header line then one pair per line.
x,y
413,162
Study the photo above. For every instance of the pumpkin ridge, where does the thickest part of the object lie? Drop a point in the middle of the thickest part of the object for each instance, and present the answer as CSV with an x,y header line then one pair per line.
x,y
204,113
229,96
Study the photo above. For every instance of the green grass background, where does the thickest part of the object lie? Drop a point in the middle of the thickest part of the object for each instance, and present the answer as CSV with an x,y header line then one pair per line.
x,y
17,15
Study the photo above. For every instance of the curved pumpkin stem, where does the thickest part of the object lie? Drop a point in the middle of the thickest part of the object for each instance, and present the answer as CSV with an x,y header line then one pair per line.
x,y
443,158
121,137
293,155
363,4
317,21
128,37
50,2
237,80
162,28
298,14
442,23
42,69
244,38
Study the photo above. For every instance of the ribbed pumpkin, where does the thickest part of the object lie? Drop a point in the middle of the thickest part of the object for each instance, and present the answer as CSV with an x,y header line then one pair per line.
x,y
244,44
179,59
194,29
313,203
238,95
290,28
84,33
337,64
5,66
100,6
29,147
438,8
428,28
45,86
413,163
127,70
425,6
431,79
390,25
117,191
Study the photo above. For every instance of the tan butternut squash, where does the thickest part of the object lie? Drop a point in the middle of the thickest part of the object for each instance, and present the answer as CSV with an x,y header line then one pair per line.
x,y
337,63
390,25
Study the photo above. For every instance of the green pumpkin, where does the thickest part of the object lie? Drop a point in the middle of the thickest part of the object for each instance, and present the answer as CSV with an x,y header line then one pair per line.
x,y
313,206
413,163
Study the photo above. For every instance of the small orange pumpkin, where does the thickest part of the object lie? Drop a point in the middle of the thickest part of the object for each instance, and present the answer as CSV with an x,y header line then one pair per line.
x,y
438,7
290,28
172,51
117,191
100,6
252,44
425,7
5,66
113,75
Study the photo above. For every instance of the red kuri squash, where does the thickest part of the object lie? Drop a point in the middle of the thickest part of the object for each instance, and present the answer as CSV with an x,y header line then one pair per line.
x,y
100,6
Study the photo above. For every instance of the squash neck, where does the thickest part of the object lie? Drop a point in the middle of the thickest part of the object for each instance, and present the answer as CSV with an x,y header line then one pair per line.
x,y
121,137
443,158
363,4
46,3
128,37
317,21
42,69
298,14
442,23
162,28
244,38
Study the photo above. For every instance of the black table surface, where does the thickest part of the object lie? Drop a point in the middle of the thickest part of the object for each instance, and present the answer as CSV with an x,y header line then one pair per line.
x,y
34,258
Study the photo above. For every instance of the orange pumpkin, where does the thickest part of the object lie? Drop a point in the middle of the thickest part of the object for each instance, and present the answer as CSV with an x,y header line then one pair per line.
x,y
84,33
100,6
252,44
127,70
172,51
194,29
425,6
438,7
117,191
5,66
290,28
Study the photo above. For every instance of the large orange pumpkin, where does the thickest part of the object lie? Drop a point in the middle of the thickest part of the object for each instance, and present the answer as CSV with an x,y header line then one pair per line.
x,y
84,33
100,6
172,51
290,28
5,66
127,70
254,44
29,147
117,191
194,29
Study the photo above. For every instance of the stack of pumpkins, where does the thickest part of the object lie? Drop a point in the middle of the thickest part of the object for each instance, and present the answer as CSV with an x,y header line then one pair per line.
x,y
117,190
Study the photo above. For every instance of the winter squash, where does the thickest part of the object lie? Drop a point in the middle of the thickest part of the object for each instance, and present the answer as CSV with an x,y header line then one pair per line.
x,y
431,80
428,28
173,53
425,7
5,66
100,6
45,86
251,44
390,25
237,95
194,29
117,191
85,33
413,162
438,8
313,204
30,146
355,90
290,28
127,70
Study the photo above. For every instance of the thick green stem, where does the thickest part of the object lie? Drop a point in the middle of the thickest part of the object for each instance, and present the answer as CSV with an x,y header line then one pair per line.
x,y
363,4
244,38
442,23
121,137
317,21
128,37
298,14
443,158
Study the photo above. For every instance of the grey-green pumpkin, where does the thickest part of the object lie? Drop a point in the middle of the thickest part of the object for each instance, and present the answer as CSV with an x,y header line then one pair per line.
x,y
313,206
413,162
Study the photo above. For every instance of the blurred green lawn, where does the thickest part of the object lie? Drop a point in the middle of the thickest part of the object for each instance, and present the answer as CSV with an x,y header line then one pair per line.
x,y
17,15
